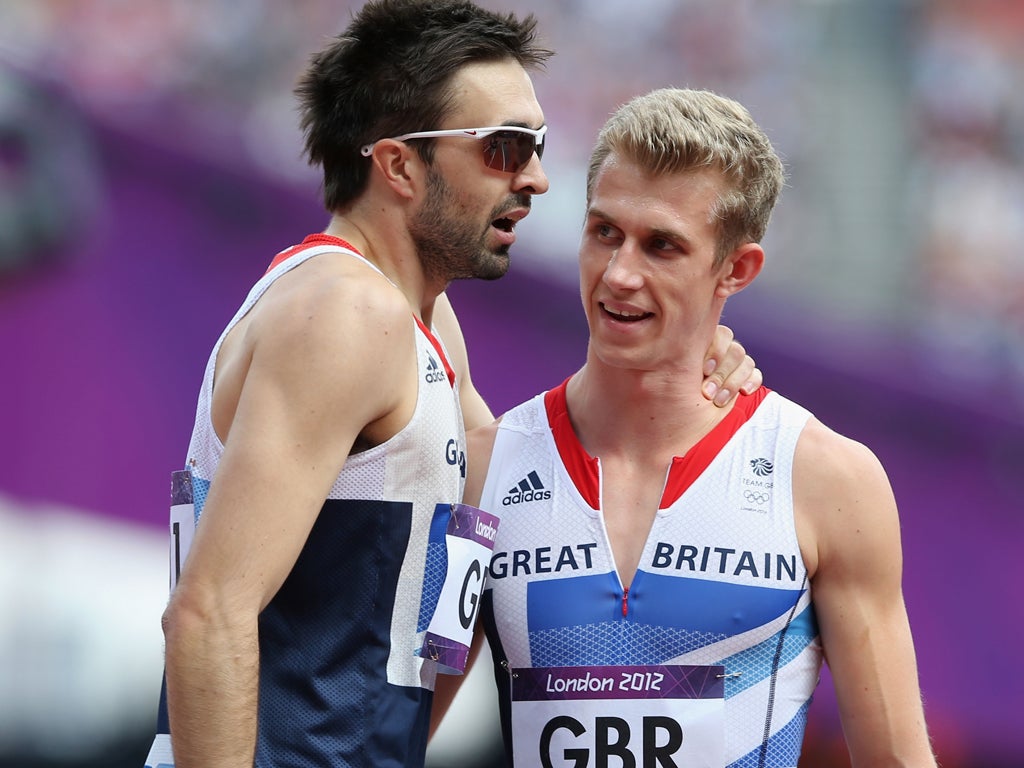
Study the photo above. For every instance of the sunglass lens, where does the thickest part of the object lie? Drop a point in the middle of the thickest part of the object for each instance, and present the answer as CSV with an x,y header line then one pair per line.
x,y
508,151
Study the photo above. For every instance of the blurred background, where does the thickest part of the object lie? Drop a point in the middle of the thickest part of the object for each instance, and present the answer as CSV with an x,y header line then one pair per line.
x,y
150,168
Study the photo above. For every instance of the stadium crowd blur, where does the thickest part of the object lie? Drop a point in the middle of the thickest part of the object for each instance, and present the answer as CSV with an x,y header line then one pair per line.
x,y
902,120
901,123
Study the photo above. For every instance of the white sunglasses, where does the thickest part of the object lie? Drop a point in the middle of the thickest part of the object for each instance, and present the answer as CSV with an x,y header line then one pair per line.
x,y
508,147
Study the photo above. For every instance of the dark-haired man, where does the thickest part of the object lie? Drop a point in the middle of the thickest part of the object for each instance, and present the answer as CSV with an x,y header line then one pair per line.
x,y
324,436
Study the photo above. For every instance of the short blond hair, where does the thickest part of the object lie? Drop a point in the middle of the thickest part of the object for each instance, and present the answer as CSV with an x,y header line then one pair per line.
x,y
676,130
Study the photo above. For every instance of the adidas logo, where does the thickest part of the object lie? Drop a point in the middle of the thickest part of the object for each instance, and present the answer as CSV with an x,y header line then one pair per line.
x,y
529,488
434,372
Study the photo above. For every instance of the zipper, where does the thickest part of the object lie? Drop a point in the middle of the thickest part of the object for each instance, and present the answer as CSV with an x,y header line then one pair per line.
x,y
625,601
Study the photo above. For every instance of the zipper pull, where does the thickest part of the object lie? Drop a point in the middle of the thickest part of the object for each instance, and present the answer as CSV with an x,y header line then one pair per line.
x,y
625,599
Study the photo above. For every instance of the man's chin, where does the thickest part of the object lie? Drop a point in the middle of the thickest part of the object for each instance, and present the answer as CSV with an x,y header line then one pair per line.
x,y
492,267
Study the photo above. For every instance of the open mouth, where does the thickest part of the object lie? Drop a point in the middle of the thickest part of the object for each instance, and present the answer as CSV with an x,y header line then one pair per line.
x,y
505,225
624,316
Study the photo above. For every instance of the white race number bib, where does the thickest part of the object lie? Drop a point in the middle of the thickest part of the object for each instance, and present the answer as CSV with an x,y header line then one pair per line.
x,y
666,716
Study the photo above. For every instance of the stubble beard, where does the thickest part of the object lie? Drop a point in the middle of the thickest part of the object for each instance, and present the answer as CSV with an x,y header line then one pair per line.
x,y
449,245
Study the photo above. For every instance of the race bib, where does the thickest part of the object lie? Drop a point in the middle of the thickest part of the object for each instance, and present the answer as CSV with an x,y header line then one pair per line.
x,y
461,540
666,716
182,528
160,755
183,521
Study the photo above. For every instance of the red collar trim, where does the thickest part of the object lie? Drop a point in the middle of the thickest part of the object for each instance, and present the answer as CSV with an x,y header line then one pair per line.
x,y
317,239
581,466
584,468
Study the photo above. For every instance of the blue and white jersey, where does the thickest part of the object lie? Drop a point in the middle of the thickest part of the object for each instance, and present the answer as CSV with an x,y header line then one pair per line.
x,y
721,581
341,683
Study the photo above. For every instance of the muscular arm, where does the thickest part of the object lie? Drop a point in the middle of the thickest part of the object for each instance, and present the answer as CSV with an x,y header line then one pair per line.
x,y
313,380
448,685
850,535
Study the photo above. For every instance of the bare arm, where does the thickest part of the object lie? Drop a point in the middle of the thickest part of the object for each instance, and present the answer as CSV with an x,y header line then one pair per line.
x,y
475,411
850,535
448,685
479,443
313,380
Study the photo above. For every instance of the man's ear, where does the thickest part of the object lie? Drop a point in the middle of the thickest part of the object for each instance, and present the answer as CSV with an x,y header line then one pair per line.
x,y
739,270
399,166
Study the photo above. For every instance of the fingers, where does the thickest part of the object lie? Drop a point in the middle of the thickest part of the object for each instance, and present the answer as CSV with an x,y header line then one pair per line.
x,y
718,350
728,369
753,381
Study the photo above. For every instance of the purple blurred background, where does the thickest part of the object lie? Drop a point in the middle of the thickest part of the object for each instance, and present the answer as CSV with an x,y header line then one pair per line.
x,y
131,228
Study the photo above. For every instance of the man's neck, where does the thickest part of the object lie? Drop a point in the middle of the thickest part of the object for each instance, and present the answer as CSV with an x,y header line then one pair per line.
x,y
653,414
390,249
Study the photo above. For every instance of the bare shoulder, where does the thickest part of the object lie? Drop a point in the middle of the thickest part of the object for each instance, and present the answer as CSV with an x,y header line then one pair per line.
x,y
826,456
336,337
348,315
843,501
334,296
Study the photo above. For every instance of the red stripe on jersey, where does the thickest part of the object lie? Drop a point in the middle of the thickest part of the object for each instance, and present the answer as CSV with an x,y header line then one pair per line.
x,y
318,239
583,468
686,469
438,348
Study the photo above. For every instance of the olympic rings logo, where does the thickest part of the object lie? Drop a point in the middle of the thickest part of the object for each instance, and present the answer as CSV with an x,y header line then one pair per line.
x,y
756,497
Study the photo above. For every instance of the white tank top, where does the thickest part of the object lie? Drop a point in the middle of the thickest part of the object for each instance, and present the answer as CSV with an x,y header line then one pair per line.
x,y
340,678
721,580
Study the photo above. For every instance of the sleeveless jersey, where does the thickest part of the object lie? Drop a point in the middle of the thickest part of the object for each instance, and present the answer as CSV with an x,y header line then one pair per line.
x,y
340,682
721,580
